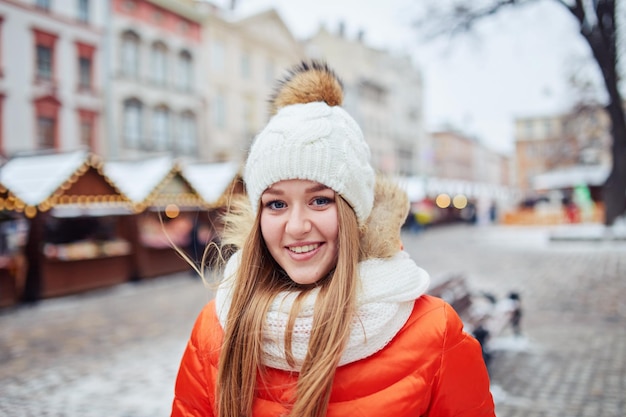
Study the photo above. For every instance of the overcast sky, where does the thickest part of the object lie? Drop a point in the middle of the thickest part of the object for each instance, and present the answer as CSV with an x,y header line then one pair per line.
x,y
515,65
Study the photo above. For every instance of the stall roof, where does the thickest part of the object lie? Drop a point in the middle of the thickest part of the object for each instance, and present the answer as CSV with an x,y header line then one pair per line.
x,y
571,176
34,178
175,190
138,178
211,180
45,181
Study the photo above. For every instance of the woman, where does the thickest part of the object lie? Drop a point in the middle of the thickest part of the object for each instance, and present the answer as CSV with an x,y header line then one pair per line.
x,y
320,312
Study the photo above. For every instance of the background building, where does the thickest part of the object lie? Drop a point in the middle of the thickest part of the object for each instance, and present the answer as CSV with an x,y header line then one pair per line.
x,y
577,141
384,93
562,162
132,79
155,99
243,60
463,165
51,93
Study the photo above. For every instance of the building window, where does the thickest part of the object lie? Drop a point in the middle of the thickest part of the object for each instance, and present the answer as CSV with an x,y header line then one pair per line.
x,y
217,56
246,69
87,122
43,4
83,11
44,55
45,132
159,63
47,117
187,144
85,66
161,128
84,77
44,62
219,111
86,133
133,120
248,117
130,54
547,128
185,69
529,129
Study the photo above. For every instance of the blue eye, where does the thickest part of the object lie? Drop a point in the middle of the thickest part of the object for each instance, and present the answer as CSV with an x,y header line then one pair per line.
x,y
276,205
321,201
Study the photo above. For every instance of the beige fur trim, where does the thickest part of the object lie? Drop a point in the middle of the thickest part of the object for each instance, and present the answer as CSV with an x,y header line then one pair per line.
x,y
381,237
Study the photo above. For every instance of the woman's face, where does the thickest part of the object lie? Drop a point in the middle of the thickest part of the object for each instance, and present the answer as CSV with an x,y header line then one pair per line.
x,y
299,224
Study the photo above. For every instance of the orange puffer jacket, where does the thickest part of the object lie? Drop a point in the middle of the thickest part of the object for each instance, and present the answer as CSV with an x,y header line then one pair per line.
x,y
430,368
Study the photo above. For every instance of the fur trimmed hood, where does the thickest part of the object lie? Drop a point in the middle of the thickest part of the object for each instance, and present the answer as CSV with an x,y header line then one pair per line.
x,y
380,235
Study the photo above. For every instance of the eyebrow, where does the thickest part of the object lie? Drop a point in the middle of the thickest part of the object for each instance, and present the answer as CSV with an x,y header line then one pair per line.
x,y
313,189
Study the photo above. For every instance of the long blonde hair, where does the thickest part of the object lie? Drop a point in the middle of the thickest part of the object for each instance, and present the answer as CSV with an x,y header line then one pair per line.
x,y
258,281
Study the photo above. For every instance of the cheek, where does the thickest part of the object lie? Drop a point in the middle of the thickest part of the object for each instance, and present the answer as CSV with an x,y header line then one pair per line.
x,y
331,226
269,228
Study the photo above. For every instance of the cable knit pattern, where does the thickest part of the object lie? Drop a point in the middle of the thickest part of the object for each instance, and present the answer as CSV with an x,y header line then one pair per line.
x,y
315,142
389,288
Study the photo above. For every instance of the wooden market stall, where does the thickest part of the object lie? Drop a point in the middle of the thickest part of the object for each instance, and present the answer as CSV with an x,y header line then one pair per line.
x,y
13,233
171,216
77,237
217,183
565,195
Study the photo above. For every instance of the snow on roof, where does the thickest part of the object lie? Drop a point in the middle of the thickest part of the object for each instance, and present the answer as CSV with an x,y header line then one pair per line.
x,y
137,179
211,180
571,177
34,178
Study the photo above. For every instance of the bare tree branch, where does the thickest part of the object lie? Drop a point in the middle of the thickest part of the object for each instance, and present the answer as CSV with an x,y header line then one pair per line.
x,y
597,23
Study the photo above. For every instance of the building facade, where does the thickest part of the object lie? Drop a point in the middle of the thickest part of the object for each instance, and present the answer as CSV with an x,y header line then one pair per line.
x,y
543,144
51,90
244,58
155,100
130,79
540,147
454,156
384,93
465,167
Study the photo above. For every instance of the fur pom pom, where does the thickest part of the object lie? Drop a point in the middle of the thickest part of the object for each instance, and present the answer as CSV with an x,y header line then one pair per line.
x,y
308,83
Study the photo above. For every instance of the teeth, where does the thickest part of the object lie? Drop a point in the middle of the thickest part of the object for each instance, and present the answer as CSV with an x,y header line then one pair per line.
x,y
303,249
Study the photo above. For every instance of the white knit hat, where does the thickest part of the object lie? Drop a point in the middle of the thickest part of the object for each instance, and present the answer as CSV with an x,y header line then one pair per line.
x,y
312,138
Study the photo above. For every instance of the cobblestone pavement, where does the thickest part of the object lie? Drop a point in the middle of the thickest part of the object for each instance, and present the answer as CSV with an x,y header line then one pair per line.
x,y
115,352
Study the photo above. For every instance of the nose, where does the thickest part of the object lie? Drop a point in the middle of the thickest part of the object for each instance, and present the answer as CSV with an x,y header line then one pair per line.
x,y
298,222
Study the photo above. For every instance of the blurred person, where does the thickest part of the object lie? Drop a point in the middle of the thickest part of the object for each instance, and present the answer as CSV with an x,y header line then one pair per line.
x,y
572,213
493,212
320,312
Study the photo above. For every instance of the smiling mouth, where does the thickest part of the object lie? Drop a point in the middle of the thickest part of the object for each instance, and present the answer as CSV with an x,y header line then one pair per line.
x,y
303,249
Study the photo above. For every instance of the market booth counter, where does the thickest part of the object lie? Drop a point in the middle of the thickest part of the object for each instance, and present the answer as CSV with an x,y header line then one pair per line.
x,y
78,239
84,252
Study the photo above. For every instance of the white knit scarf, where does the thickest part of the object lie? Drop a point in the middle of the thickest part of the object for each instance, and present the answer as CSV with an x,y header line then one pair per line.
x,y
388,290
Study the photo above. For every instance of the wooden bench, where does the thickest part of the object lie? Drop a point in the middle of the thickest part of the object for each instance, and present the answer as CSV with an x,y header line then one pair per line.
x,y
483,315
